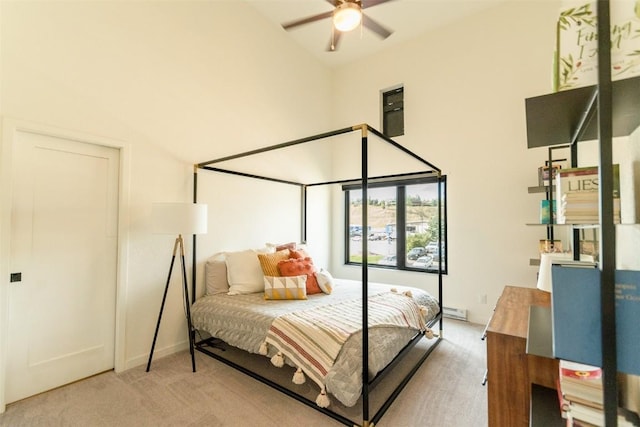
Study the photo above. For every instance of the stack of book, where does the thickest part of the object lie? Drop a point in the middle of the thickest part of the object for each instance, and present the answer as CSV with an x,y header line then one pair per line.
x,y
581,397
577,192
581,392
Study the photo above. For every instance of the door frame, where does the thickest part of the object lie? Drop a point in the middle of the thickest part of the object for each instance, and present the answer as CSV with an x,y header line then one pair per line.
x,y
10,128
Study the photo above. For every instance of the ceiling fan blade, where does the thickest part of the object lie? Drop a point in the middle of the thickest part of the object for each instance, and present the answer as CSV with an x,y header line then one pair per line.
x,y
371,3
375,27
314,18
333,43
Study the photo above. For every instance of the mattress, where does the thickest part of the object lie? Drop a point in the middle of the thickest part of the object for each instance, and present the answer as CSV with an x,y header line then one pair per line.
x,y
243,321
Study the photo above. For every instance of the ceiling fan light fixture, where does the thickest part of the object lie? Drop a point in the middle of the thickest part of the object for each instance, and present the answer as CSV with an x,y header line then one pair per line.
x,y
347,16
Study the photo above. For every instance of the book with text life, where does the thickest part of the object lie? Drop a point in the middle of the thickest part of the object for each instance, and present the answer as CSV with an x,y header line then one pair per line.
x,y
575,308
584,180
577,192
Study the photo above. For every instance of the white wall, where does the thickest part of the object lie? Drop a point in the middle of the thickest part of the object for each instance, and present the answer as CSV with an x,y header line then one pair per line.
x,y
465,86
4,225
180,82
184,82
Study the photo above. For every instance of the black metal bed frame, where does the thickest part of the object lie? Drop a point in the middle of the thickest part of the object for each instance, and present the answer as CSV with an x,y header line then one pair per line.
x,y
364,179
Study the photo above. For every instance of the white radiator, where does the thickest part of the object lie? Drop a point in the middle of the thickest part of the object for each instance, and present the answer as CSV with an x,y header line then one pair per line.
x,y
454,313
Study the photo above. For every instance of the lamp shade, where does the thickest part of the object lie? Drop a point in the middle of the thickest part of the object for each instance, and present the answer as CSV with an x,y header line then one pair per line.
x,y
544,274
347,16
179,218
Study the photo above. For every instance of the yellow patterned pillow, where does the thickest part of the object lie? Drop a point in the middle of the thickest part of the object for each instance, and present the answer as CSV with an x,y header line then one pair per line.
x,y
269,262
291,287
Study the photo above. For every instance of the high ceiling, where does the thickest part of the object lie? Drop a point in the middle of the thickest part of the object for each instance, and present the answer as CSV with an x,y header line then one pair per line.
x,y
407,19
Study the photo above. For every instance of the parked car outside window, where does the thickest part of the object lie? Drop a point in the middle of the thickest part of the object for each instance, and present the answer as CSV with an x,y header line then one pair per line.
x,y
423,262
432,247
416,253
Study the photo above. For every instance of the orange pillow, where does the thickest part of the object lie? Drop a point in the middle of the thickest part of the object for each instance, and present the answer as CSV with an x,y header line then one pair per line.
x,y
298,253
300,266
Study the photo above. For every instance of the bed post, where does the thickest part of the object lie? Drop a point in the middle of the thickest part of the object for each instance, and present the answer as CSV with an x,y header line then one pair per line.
x,y
365,277
193,250
440,252
303,213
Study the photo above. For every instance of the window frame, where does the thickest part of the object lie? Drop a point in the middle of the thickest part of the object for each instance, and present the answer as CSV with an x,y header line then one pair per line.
x,y
400,241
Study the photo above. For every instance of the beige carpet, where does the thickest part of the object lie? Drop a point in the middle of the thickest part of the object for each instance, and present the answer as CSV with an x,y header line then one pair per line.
x,y
446,391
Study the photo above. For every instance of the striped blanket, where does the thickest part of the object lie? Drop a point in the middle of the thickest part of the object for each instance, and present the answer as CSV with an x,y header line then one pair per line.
x,y
312,339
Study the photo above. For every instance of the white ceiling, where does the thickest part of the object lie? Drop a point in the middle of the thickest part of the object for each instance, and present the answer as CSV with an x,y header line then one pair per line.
x,y
407,19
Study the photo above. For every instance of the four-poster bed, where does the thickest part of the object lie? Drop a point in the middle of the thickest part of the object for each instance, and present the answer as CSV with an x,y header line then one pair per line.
x,y
398,317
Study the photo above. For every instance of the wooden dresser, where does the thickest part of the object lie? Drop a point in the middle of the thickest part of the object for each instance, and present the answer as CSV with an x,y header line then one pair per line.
x,y
511,371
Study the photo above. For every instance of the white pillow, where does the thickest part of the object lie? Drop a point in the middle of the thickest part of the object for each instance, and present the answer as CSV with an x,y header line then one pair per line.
x,y
244,273
325,281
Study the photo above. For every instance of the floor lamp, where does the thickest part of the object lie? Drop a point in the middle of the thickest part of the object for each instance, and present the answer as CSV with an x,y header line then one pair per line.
x,y
178,218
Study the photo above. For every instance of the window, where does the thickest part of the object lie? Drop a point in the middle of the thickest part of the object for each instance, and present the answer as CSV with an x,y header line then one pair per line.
x,y
402,225
393,112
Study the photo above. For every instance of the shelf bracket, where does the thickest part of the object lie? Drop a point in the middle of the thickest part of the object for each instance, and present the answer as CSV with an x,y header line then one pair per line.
x,y
586,117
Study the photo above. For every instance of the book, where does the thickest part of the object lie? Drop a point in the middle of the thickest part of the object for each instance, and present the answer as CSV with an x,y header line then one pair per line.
x,y
575,63
627,315
580,415
582,207
579,423
627,418
543,174
545,211
564,403
575,313
581,383
586,413
550,246
578,196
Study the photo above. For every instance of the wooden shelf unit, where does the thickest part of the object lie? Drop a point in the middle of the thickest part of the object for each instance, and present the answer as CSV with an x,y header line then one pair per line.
x,y
599,112
511,371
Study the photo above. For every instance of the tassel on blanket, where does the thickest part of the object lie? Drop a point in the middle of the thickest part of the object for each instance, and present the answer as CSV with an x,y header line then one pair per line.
x,y
424,311
298,377
264,350
394,290
278,360
429,334
323,400
407,294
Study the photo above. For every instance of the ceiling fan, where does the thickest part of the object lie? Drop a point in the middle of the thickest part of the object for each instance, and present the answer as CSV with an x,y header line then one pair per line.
x,y
347,15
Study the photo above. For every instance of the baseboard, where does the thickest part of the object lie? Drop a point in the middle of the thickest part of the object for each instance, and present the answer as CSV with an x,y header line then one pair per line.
x,y
142,359
455,313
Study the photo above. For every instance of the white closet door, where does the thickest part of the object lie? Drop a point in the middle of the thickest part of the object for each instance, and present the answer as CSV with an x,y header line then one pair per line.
x,y
64,245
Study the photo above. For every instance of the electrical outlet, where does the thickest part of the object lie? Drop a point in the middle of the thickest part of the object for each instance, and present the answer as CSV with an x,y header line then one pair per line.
x,y
482,298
